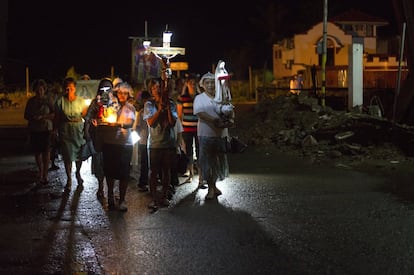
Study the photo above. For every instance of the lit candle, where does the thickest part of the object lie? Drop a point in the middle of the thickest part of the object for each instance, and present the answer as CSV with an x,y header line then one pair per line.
x,y
111,118
110,115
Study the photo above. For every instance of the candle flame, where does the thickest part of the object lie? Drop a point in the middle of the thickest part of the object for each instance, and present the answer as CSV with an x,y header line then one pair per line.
x,y
111,118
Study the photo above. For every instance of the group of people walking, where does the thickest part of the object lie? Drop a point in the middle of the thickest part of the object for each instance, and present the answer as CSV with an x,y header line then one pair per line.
x,y
191,122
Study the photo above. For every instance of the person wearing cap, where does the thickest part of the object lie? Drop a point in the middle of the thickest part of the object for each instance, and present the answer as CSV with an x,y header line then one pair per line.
x,y
211,131
93,115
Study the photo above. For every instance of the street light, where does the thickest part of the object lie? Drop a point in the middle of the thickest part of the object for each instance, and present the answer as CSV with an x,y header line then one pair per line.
x,y
166,39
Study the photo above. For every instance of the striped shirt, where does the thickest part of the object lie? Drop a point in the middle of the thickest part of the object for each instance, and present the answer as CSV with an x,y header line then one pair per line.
x,y
189,119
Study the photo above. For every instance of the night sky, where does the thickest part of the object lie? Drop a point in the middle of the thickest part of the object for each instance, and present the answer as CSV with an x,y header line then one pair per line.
x,y
51,36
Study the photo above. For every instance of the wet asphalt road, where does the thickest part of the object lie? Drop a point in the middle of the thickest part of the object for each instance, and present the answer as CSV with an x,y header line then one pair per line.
x,y
277,215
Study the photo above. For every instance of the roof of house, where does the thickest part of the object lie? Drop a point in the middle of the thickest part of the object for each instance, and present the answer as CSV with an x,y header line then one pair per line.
x,y
356,16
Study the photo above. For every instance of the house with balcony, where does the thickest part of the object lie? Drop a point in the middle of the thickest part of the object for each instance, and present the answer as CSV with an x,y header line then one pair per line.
x,y
302,54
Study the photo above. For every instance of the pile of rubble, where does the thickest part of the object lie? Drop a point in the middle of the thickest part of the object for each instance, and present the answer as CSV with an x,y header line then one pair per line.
x,y
298,124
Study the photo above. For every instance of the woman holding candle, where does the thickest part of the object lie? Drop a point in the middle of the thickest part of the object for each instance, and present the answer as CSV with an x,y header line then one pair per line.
x,y
118,145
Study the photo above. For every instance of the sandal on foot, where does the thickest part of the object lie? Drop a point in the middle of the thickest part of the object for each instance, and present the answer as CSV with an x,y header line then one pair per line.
x,y
153,205
202,185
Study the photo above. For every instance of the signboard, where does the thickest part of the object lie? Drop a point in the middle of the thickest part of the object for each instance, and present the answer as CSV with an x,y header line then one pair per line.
x,y
145,65
179,66
87,88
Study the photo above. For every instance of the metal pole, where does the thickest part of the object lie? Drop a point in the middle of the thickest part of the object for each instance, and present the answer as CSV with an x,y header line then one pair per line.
x,y
397,91
325,26
264,78
133,72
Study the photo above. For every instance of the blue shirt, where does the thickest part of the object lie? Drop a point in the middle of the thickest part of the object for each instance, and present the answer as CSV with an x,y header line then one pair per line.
x,y
159,136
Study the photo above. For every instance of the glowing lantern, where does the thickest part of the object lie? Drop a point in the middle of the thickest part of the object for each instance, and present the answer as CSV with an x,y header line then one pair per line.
x,y
110,115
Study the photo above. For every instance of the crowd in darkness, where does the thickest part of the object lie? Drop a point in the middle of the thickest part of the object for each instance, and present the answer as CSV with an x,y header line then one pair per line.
x,y
172,117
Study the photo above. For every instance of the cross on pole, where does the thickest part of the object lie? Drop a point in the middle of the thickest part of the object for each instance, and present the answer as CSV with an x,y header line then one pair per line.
x,y
165,53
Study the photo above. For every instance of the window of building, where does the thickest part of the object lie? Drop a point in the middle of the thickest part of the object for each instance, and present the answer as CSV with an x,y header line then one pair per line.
x,y
278,54
330,53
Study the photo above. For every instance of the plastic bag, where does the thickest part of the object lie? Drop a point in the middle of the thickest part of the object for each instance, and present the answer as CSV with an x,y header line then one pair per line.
x,y
234,145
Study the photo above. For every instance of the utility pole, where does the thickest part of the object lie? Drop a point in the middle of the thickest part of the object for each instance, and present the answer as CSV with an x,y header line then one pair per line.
x,y
400,60
325,26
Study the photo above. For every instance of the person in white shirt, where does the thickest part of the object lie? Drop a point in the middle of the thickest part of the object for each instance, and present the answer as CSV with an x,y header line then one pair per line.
x,y
211,131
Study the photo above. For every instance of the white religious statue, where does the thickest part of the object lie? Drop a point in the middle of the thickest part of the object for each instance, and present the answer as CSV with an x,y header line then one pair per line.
x,y
223,95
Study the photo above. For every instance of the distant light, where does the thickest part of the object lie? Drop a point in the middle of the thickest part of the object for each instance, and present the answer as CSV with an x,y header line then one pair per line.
x,y
166,39
88,101
146,44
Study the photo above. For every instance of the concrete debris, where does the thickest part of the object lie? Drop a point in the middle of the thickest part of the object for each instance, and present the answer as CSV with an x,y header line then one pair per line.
x,y
344,135
295,123
309,141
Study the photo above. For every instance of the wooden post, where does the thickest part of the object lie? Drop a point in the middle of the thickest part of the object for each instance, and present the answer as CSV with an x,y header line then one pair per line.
x,y
27,82
250,84
397,91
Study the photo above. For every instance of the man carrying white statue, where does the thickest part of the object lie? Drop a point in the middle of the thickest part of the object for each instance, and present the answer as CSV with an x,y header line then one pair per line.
x,y
215,115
